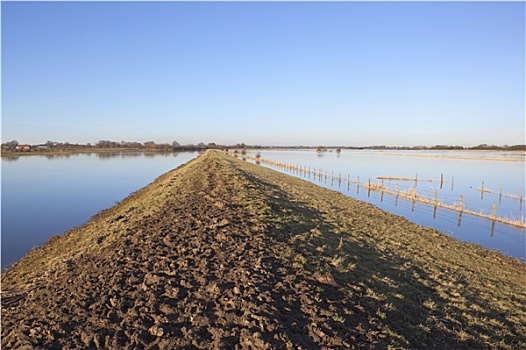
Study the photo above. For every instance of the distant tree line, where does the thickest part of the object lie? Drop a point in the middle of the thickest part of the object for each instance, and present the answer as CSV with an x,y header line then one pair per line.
x,y
15,146
446,147
383,147
152,145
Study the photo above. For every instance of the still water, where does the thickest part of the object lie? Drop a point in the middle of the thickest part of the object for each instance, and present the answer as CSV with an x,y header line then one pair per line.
x,y
44,196
448,175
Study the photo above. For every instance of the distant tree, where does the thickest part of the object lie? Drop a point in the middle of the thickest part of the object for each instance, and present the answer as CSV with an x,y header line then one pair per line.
x,y
165,147
11,145
149,144
106,144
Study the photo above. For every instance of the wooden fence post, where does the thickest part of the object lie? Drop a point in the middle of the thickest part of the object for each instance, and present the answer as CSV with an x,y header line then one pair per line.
x,y
435,202
494,212
459,222
492,228
460,211
414,199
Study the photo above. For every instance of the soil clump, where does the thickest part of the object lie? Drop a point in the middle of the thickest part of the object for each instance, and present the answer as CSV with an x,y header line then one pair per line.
x,y
224,254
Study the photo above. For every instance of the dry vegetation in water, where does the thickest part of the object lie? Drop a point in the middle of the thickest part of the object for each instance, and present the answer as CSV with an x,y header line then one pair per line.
x,y
221,253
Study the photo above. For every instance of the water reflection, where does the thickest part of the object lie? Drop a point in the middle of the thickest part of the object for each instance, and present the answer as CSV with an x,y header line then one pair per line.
x,y
48,195
447,207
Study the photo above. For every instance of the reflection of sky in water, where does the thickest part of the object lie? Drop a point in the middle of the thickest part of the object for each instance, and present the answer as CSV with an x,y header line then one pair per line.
x,y
44,196
468,176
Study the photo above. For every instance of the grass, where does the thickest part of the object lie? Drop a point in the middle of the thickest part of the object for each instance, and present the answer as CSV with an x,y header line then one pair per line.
x,y
519,156
94,236
409,194
401,178
398,284
418,286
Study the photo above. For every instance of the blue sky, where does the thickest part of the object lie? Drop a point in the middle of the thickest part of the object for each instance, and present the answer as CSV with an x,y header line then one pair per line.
x,y
268,73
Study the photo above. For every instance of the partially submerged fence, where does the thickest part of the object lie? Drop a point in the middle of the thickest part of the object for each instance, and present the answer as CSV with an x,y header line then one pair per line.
x,y
411,194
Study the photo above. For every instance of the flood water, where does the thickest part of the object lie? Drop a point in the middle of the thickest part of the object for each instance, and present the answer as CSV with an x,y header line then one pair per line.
x,y
448,175
44,196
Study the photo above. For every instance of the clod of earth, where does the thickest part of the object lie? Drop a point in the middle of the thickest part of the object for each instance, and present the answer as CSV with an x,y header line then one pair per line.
x,y
221,253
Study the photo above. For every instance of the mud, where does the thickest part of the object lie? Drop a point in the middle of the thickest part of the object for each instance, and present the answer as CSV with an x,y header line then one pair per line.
x,y
212,267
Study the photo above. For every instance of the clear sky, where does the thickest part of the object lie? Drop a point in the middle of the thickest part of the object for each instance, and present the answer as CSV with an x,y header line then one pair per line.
x,y
268,73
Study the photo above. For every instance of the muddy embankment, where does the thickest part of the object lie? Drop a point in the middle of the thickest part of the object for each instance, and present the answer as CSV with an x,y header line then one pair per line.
x,y
220,253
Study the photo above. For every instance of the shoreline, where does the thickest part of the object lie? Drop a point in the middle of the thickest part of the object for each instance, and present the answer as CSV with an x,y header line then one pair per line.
x,y
8,154
229,233
387,152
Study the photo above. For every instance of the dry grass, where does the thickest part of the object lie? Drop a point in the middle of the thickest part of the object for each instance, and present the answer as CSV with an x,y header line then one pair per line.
x,y
419,287
396,284
410,194
401,178
103,228
519,156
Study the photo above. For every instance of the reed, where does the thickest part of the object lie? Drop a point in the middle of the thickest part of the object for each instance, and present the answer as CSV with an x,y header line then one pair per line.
x,y
410,194
402,178
520,156
507,195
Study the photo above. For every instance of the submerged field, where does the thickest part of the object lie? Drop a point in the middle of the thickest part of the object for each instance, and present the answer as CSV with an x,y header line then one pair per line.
x,y
220,253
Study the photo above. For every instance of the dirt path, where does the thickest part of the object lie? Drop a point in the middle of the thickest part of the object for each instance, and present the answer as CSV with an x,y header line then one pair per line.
x,y
224,254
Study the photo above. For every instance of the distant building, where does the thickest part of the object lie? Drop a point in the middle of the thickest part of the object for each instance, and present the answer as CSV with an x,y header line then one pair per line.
x,y
23,148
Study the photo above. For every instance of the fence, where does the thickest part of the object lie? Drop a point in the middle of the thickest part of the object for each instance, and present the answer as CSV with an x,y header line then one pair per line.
x,y
411,194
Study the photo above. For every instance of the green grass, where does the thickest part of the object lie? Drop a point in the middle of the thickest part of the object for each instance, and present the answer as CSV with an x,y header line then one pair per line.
x,y
413,281
400,284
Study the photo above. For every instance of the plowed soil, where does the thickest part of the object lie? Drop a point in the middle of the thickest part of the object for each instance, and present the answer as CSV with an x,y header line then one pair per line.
x,y
223,254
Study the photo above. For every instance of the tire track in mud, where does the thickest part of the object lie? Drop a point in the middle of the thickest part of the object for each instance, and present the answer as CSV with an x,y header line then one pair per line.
x,y
202,272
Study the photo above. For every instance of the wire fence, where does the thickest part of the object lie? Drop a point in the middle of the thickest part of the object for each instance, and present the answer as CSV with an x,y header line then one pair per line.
x,y
399,193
